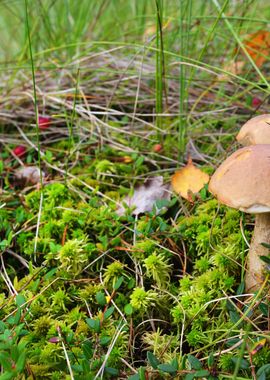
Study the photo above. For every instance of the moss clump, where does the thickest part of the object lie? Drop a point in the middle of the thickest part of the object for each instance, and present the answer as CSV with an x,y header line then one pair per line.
x,y
158,268
141,299
215,243
73,256
88,283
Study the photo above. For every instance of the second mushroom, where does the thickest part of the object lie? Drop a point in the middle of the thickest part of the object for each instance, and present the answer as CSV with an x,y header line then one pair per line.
x,y
243,182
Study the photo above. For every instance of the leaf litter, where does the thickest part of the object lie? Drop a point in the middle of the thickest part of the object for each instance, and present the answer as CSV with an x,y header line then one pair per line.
x,y
145,196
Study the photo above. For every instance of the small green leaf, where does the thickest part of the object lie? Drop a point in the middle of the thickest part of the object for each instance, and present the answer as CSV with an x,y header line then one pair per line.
x,y
101,299
262,376
111,371
108,312
128,309
174,363
20,363
2,326
7,376
244,364
134,377
265,259
203,193
201,373
35,285
118,283
263,372
160,203
20,300
153,361
50,274
131,283
211,360
5,361
189,376
94,324
232,342
266,245
87,349
167,368
234,316
230,306
264,308
85,367
48,156
104,340
17,317
241,288
141,373
194,362
139,161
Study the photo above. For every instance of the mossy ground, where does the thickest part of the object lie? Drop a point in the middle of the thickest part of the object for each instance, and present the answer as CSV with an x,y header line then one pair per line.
x,y
100,291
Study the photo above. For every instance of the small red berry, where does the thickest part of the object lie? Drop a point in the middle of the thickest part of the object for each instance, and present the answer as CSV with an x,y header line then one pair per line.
x,y
157,148
44,122
256,102
19,150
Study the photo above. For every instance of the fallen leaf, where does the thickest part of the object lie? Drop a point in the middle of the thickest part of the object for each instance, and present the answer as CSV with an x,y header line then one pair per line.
x,y
145,196
29,175
189,180
258,46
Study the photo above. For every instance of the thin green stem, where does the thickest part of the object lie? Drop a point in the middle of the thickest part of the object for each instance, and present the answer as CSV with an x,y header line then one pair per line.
x,y
159,63
184,36
34,89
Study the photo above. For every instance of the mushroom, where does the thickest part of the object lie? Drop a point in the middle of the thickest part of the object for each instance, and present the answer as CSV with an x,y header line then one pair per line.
x,y
255,131
242,181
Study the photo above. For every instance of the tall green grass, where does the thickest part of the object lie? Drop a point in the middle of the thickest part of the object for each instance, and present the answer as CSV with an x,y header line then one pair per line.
x,y
190,37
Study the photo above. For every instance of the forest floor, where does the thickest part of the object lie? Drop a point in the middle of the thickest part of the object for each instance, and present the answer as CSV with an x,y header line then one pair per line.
x,y
107,272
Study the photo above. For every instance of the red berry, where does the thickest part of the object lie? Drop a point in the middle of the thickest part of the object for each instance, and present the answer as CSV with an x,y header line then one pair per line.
x,y
256,102
44,122
157,148
19,150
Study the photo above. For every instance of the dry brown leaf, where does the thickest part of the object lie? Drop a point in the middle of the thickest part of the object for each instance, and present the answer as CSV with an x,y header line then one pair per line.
x,y
145,196
189,180
258,46
29,174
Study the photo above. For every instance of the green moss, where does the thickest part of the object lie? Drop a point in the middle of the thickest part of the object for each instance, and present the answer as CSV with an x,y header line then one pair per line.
x,y
158,268
141,299
113,271
72,257
81,242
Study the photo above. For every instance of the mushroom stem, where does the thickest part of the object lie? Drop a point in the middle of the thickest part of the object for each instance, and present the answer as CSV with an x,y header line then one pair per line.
x,y
255,265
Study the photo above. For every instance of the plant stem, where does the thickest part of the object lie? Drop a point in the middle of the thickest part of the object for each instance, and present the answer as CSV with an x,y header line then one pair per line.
x,y
34,89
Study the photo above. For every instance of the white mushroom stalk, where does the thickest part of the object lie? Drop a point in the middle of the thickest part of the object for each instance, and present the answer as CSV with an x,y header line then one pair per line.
x,y
255,266
243,182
